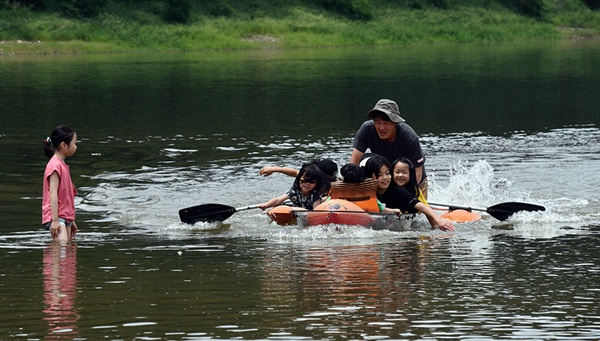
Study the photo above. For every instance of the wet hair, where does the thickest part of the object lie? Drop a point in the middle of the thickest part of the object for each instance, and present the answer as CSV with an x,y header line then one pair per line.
x,y
311,172
374,164
59,135
328,167
352,173
411,186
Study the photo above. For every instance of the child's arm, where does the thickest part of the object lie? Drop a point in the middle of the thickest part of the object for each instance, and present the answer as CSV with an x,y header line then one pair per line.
x,y
268,170
54,181
392,210
317,202
274,202
73,230
434,219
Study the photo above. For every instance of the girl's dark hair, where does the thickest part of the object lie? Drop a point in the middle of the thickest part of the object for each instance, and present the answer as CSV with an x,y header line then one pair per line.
x,y
411,186
328,167
59,135
311,172
352,173
374,164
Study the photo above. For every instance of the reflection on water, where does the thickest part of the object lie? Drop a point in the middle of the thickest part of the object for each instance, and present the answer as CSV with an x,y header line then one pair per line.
x,y
371,287
60,290
344,285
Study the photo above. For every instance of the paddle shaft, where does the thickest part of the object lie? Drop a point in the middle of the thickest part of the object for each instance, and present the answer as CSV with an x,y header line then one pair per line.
x,y
247,207
500,211
458,207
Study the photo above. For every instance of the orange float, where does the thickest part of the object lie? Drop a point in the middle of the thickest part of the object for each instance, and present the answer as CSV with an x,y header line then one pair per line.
x,y
461,216
284,215
338,211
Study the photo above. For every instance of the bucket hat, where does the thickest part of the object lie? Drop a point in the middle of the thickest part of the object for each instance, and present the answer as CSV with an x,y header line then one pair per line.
x,y
388,107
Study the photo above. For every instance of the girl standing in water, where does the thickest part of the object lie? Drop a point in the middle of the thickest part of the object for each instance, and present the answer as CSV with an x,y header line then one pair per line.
x,y
58,200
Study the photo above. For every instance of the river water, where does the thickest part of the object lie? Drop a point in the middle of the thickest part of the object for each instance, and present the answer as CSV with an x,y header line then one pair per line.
x,y
161,132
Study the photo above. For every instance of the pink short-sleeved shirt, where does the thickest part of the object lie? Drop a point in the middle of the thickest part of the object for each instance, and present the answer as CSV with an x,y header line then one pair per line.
x,y
66,191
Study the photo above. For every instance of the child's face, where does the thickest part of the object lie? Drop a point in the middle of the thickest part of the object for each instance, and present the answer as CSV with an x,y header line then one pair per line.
x,y
383,178
307,185
71,148
401,174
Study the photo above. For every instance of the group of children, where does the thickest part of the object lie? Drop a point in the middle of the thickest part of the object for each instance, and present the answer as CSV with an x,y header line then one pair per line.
x,y
397,190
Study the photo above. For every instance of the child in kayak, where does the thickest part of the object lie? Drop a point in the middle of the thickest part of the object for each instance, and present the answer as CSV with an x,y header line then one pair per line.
x,y
307,190
327,166
401,197
58,198
352,174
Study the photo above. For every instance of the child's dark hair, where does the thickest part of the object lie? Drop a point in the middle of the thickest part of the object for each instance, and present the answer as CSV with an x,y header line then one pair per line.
x,y
59,135
328,167
374,164
411,186
310,172
352,173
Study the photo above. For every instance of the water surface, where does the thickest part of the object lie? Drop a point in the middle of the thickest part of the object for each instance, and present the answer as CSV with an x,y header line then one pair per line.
x,y
160,132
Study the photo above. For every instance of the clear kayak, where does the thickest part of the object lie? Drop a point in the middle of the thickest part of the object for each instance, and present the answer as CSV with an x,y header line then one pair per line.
x,y
341,212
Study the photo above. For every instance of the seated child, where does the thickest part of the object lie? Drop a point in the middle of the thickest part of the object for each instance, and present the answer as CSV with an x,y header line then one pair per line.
x,y
356,188
405,197
306,192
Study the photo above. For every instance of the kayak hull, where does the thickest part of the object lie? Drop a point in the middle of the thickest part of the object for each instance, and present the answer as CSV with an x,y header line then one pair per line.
x,y
340,212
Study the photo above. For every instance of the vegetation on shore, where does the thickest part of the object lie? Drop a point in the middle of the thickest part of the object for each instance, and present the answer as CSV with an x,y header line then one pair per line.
x,y
92,26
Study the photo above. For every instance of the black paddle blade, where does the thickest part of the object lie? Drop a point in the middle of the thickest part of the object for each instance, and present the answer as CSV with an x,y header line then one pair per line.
x,y
206,213
504,210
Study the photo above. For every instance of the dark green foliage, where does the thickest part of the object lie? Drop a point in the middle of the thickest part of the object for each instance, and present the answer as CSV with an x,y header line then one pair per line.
x,y
33,4
439,3
351,9
529,8
592,4
178,12
219,8
75,8
68,8
421,4
415,5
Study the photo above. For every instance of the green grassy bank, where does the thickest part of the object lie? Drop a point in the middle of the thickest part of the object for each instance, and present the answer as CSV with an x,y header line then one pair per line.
x,y
122,26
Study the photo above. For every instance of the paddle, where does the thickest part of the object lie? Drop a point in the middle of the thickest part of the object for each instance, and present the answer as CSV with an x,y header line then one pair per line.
x,y
499,211
209,212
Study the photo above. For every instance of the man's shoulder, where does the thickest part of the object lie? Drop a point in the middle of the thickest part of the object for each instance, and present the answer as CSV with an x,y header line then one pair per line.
x,y
366,130
407,131
405,127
